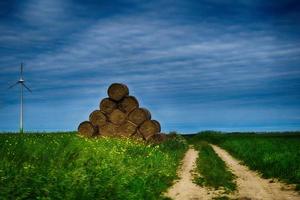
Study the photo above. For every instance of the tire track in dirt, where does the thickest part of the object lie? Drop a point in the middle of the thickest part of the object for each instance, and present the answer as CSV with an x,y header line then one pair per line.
x,y
251,185
185,189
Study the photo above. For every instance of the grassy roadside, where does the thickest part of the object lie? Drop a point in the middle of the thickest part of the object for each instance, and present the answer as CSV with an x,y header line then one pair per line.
x,y
212,169
274,155
64,166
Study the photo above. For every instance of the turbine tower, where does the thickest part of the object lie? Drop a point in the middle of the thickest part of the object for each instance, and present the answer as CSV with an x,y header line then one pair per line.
x,y
22,84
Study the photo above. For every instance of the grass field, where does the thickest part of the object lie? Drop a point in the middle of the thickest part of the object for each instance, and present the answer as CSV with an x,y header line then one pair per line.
x,y
212,169
65,166
274,155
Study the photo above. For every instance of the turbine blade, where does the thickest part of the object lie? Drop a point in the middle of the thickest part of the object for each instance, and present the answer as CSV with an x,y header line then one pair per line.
x,y
13,85
27,87
21,70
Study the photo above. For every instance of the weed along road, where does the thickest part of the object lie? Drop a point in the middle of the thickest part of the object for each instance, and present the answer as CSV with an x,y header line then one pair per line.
x,y
249,184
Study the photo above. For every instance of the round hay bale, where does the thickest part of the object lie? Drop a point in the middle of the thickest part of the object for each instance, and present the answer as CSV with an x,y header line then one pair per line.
x,y
109,129
128,104
157,138
127,129
107,105
87,129
98,118
158,125
117,91
117,117
139,115
138,136
148,128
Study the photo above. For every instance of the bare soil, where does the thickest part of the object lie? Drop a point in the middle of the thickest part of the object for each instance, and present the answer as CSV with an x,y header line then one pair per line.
x,y
185,189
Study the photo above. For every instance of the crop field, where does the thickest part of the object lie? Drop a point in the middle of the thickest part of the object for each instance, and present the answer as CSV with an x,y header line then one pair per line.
x,y
274,155
65,166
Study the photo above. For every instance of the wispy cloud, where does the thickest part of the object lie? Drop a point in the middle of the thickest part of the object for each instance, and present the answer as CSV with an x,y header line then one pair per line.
x,y
187,71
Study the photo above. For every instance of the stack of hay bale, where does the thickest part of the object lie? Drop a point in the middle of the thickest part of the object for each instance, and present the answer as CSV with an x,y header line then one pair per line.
x,y
120,115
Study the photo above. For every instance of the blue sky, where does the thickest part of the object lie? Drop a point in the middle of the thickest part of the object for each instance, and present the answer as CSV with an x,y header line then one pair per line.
x,y
196,65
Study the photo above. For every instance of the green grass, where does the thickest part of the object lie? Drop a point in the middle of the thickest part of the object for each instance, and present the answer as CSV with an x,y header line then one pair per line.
x,y
273,155
65,166
212,169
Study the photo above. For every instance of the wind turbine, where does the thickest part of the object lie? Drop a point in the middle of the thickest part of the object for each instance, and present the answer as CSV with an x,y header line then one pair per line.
x,y
22,84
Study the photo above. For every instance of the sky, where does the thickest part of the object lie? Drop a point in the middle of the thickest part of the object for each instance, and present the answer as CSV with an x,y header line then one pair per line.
x,y
196,65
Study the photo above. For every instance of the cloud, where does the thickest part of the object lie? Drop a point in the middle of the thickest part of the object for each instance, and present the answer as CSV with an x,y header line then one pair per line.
x,y
177,69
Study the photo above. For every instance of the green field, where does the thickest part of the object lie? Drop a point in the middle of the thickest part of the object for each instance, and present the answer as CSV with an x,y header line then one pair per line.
x,y
65,166
274,155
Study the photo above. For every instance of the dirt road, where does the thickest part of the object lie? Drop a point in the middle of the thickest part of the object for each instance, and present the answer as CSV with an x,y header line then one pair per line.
x,y
251,186
185,189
